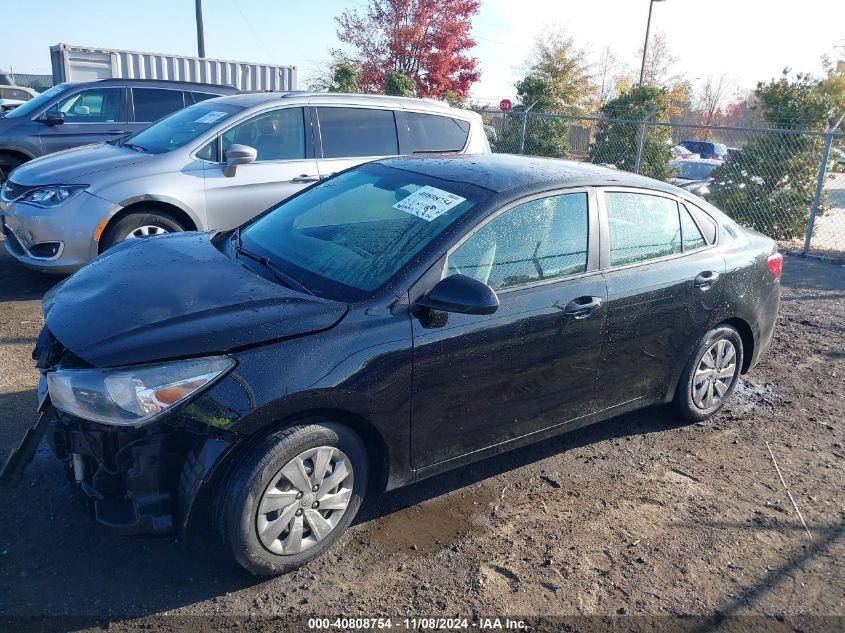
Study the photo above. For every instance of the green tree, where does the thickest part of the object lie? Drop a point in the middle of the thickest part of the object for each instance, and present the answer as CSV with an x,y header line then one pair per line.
x,y
399,84
346,78
557,81
771,182
615,142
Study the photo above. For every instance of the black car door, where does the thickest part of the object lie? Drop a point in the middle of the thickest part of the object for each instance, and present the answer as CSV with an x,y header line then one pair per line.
x,y
482,380
663,284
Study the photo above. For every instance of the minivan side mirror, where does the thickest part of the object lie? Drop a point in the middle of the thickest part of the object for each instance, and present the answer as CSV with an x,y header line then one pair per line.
x,y
238,155
51,117
461,294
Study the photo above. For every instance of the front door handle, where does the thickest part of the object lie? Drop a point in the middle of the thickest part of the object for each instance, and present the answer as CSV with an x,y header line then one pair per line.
x,y
116,132
306,178
706,279
582,307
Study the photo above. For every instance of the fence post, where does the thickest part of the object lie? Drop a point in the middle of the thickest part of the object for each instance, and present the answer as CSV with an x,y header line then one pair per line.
x,y
524,122
641,141
814,209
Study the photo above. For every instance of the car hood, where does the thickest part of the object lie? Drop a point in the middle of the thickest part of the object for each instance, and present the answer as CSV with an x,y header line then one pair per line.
x,y
72,165
172,297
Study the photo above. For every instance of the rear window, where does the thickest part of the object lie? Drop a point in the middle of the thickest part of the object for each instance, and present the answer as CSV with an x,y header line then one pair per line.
x,y
434,133
705,222
350,132
153,103
201,96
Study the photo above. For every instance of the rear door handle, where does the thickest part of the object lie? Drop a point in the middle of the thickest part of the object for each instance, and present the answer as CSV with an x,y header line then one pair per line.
x,y
306,178
582,307
706,279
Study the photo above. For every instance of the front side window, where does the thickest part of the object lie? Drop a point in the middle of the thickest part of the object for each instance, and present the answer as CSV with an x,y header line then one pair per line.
x,y
98,105
352,233
351,132
276,135
538,240
641,227
153,103
434,133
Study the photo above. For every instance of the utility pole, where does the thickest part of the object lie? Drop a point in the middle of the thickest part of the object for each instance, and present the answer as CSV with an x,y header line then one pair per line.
x,y
647,31
200,33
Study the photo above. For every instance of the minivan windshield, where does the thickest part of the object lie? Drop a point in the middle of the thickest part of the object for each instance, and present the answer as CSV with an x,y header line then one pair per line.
x,y
36,103
180,127
357,230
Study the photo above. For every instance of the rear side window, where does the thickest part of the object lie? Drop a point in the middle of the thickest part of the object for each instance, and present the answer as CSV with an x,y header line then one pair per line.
x,y
201,96
538,240
350,132
433,133
690,234
641,227
153,103
705,223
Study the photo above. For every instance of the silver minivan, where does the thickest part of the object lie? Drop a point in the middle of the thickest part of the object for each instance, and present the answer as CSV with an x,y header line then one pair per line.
x,y
213,165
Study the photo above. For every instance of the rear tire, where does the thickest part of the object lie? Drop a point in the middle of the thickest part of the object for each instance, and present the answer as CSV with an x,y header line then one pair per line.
x,y
710,375
141,223
267,527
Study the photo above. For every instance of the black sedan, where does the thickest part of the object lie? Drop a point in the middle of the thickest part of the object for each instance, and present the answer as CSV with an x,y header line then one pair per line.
x,y
400,319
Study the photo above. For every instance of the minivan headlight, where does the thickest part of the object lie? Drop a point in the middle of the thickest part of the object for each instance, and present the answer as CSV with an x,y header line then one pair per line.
x,y
133,395
51,196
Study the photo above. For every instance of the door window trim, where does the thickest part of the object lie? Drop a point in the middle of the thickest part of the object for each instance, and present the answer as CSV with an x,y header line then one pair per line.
x,y
593,236
604,227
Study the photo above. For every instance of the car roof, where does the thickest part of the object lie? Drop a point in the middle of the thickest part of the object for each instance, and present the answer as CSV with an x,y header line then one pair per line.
x,y
250,99
521,175
158,83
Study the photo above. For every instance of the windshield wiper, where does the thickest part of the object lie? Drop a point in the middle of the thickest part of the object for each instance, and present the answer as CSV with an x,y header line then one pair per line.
x,y
137,148
290,282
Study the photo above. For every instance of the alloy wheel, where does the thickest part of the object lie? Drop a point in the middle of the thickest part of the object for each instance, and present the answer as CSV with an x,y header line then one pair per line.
x,y
305,500
714,375
148,230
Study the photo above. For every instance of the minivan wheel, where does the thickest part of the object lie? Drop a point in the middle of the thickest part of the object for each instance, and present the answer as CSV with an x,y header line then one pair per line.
x,y
139,224
292,496
711,374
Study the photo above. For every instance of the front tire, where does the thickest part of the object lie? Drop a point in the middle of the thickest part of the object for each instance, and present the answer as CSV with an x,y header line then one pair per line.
x,y
710,375
140,224
292,496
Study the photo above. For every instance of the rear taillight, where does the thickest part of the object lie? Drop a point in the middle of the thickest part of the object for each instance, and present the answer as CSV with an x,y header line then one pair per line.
x,y
775,264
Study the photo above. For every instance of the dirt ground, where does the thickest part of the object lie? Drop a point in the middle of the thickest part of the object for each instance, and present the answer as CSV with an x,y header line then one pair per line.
x,y
640,516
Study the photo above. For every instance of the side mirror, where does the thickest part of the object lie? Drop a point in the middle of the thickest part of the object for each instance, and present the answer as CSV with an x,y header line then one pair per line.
x,y
51,117
461,294
238,155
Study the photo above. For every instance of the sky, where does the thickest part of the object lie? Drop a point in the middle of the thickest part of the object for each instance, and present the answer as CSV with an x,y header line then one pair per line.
x,y
747,40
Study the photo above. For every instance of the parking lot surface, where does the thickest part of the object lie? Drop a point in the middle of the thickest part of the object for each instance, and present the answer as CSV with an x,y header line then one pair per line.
x,y
641,515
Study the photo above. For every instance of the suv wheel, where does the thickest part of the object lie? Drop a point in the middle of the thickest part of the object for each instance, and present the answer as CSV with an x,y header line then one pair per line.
x,y
292,496
710,375
140,224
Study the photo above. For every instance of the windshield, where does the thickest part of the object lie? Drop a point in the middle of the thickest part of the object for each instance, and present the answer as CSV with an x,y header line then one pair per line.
x,y
36,103
358,230
694,171
181,127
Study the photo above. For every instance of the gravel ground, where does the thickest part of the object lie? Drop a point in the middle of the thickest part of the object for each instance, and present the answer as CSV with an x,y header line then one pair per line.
x,y
641,515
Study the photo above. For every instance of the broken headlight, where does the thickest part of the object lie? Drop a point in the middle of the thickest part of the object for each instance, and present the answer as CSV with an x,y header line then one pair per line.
x,y
132,395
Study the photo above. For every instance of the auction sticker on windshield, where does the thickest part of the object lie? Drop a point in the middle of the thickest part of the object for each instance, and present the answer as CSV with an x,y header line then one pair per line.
x,y
211,117
428,203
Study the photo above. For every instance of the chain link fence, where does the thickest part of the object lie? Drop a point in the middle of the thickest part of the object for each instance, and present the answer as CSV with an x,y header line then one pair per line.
x,y
788,184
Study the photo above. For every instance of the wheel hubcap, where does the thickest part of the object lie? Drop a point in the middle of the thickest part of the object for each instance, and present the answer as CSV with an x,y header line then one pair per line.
x,y
305,500
714,375
146,231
